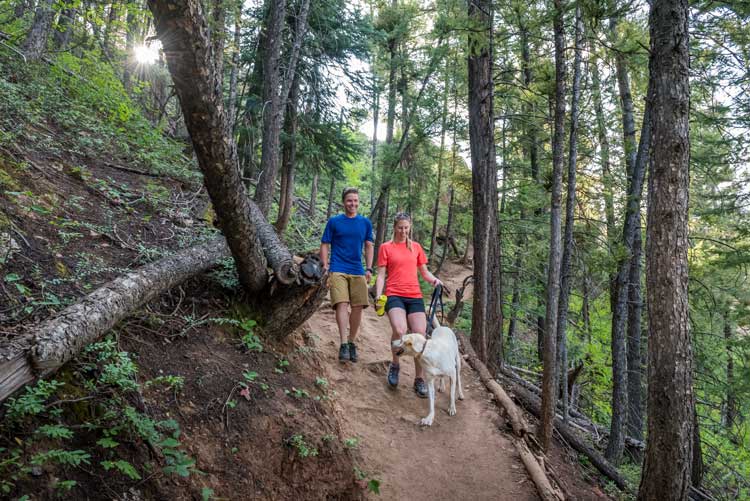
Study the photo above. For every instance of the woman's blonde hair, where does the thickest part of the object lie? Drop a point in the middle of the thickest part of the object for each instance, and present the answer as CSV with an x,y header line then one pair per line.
x,y
402,216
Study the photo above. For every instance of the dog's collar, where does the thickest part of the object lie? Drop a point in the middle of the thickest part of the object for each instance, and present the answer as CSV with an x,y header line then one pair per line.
x,y
419,355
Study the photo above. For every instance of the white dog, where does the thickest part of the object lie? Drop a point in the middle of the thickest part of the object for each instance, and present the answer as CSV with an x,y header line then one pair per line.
x,y
439,357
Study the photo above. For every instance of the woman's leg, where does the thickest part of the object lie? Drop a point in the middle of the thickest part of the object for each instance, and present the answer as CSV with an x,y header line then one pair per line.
x,y
417,322
397,317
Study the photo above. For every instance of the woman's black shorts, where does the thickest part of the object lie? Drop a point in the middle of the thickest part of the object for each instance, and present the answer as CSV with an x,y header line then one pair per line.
x,y
410,304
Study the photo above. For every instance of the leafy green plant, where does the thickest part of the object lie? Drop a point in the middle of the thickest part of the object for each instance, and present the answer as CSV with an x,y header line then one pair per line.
x,y
304,450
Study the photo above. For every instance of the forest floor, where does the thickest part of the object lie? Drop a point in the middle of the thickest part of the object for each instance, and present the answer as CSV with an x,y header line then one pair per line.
x,y
464,456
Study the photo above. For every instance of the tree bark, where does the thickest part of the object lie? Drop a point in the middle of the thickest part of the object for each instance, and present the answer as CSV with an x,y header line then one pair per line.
x,y
570,201
549,378
669,450
184,34
36,40
487,316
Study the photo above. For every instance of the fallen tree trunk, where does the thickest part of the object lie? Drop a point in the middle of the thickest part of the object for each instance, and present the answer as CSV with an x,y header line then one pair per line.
x,y
575,416
59,339
534,466
517,422
532,403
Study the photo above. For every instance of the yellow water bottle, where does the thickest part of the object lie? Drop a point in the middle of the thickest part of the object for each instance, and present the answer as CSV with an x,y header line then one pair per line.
x,y
380,305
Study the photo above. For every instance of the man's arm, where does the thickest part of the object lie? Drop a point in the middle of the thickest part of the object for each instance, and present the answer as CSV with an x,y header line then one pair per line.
x,y
324,248
369,251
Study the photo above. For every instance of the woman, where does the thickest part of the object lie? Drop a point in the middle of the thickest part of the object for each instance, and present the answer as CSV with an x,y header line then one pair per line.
x,y
398,261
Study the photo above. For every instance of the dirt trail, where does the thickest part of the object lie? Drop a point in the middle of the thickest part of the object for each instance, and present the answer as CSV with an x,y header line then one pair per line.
x,y
459,457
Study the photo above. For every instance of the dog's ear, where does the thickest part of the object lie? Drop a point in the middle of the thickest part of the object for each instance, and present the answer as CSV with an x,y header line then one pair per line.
x,y
408,342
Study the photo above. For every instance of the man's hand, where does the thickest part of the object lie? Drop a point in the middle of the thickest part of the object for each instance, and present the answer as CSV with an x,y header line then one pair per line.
x,y
368,277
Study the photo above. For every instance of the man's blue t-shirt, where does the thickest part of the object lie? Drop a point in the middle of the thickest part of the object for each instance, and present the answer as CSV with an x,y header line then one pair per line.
x,y
347,236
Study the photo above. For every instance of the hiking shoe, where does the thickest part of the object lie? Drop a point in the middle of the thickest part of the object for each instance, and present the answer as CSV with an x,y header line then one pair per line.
x,y
344,353
420,387
393,375
353,352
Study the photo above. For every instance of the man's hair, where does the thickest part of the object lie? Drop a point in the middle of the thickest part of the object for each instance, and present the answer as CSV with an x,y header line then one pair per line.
x,y
348,191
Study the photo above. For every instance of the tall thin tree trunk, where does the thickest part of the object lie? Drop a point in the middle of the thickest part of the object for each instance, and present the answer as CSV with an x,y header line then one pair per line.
x,y
234,75
620,351
549,376
436,206
36,40
671,401
570,201
331,196
272,111
607,182
218,20
64,29
314,194
729,416
487,316
288,159
532,148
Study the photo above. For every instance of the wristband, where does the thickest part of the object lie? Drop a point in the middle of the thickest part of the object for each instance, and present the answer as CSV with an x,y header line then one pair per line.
x,y
369,269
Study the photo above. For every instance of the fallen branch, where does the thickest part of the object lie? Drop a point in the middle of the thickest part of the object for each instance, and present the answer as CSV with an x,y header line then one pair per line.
x,y
536,471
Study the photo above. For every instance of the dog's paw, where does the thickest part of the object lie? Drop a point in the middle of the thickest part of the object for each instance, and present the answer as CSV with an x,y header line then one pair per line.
x,y
426,421
452,410
461,397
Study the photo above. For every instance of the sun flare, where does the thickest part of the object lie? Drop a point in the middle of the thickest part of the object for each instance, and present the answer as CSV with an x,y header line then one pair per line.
x,y
147,54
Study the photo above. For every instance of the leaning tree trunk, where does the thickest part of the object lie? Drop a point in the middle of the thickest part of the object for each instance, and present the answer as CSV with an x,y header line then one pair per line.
x,y
669,448
487,316
36,40
549,378
182,28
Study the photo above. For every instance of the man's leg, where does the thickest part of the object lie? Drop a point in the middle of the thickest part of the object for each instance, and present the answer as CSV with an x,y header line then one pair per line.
x,y
355,319
342,319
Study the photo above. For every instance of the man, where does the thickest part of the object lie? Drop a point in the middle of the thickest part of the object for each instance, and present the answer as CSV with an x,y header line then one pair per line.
x,y
343,239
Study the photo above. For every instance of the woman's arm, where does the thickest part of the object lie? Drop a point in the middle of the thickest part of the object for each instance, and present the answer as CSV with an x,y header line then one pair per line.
x,y
429,277
380,282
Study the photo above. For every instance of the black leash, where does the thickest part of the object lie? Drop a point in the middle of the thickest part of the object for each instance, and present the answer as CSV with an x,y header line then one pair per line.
x,y
437,300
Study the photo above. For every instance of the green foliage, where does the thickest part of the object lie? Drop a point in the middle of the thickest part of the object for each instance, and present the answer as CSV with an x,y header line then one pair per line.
x,y
107,376
303,449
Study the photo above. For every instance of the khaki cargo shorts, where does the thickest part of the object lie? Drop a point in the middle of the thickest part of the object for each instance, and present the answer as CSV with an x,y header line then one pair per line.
x,y
347,288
